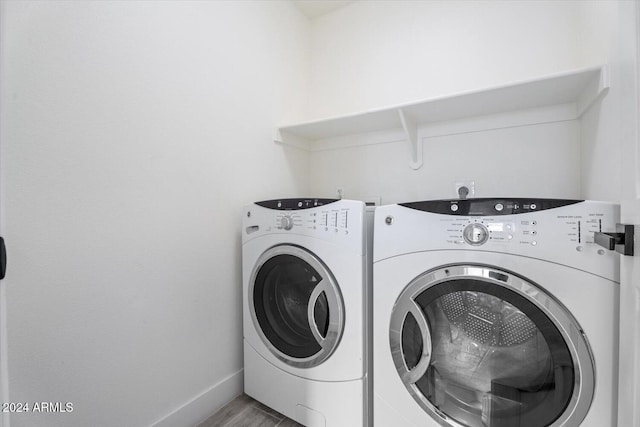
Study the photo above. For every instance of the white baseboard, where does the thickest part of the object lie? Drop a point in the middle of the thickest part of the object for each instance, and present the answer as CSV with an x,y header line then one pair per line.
x,y
205,404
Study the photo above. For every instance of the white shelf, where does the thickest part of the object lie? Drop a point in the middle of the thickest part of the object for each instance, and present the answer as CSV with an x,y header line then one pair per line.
x,y
564,96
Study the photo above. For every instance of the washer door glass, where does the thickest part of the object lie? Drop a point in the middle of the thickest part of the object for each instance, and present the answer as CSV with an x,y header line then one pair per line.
x,y
296,306
481,347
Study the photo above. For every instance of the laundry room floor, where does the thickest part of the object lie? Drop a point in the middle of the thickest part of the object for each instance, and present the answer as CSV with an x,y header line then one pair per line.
x,y
244,411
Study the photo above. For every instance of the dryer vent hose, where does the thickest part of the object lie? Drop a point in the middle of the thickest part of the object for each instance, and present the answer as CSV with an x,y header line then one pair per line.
x,y
463,192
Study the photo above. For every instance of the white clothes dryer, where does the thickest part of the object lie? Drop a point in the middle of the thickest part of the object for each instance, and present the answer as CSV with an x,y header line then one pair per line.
x,y
307,306
495,313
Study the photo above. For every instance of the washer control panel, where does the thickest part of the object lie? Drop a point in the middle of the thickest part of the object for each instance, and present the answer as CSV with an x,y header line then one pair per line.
x,y
286,222
295,204
327,219
330,218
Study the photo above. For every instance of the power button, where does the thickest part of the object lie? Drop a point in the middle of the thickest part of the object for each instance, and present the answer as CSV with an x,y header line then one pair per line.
x,y
499,207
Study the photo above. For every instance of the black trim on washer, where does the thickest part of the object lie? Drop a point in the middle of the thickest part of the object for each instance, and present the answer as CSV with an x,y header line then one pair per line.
x,y
294,204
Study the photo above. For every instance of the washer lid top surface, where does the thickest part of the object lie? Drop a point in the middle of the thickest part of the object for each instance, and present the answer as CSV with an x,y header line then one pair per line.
x,y
296,306
478,346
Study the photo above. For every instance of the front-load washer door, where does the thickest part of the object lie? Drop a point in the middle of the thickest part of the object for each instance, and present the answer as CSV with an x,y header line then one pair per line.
x,y
296,306
478,346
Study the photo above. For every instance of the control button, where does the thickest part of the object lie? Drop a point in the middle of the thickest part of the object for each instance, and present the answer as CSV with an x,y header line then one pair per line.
x,y
533,206
534,222
579,248
279,204
534,243
534,232
299,204
499,207
510,236
601,252
475,234
454,208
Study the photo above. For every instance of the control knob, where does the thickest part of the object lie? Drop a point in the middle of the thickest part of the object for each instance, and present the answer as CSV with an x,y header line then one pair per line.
x,y
286,222
475,234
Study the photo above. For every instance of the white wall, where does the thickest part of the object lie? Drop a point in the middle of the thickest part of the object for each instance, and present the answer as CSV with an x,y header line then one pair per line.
x,y
499,162
374,54
370,55
133,132
606,151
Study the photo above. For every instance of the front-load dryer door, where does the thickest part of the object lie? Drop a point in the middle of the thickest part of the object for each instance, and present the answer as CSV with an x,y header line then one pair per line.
x,y
296,306
478,346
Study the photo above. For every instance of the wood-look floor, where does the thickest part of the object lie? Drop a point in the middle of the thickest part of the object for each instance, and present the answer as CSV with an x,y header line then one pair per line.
x,y
244,411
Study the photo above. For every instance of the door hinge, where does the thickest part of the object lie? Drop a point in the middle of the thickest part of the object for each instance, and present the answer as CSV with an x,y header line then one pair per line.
x,y
621,241
3,258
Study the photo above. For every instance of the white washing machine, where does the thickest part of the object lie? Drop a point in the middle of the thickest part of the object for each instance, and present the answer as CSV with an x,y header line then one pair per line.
x,y
495,313
307,306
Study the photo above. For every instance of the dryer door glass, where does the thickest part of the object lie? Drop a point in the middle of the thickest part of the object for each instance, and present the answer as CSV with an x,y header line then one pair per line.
x,y
480,347
296,305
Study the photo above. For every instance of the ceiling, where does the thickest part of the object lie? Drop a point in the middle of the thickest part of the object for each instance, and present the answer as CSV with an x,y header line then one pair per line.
x,y
314,8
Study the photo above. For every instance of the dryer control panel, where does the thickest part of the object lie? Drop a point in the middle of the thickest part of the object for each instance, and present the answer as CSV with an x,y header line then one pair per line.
x,y
552,229
518,221
493,206
576,229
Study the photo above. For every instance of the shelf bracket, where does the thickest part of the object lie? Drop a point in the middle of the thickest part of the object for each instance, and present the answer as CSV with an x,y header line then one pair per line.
x,y
286,139
595,91
411,133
